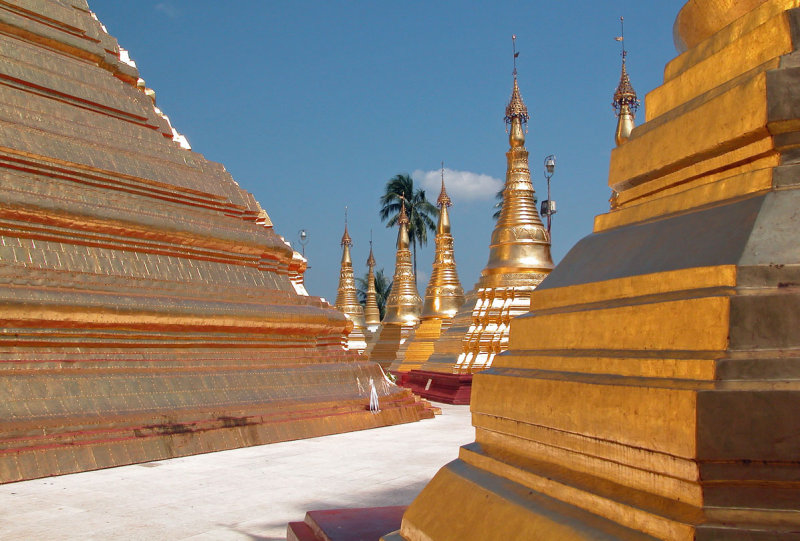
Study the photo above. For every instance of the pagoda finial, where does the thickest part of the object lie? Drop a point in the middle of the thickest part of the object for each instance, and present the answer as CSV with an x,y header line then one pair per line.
x,y
371,258
516,107
444,199
626,102
346,240
403,218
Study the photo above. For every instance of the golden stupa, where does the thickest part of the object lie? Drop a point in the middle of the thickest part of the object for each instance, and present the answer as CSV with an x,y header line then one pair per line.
x,y
519,259
652,392
148,309
347,298
403,305
372,314
443,296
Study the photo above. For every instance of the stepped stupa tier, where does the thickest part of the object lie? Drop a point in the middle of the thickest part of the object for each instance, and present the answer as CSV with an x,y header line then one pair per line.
x,y
403,306
652,391
443,296
372,314
147,308
347,299
519,259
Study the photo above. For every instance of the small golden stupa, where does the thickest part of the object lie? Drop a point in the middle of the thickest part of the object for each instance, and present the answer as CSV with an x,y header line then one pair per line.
x,y
372,313
347,299
443,297
519,259
403,306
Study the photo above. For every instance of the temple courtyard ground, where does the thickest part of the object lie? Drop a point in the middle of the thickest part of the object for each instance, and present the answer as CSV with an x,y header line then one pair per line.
x,y
249,493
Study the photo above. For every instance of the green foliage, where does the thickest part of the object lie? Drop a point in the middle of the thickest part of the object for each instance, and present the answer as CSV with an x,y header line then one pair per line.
x,y
422,214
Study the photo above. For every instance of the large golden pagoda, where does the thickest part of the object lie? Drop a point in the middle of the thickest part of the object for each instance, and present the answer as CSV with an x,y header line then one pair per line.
x,y
372,314
652,392
347,298
403,305
519,259
443,296
148,309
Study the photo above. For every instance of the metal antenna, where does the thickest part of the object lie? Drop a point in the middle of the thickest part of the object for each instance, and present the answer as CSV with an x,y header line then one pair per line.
x,y
516,54
621,37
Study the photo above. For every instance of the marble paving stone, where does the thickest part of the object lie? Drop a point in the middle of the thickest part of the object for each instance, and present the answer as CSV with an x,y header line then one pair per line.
x,y
242,494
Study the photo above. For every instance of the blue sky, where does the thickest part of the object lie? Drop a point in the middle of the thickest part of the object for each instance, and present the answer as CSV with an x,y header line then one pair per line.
x,y
312,106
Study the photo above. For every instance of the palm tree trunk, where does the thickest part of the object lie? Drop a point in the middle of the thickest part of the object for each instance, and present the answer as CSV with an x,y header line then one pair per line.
x,y
414,248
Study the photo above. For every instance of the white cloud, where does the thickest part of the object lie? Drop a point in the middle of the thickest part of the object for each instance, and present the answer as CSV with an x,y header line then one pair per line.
x,y
460,185
167,9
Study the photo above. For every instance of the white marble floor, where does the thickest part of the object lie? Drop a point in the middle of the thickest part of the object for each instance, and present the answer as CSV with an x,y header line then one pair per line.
x,y
249,493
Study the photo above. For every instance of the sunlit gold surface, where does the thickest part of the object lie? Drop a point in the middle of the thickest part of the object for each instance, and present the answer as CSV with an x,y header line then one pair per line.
x,y
652,390
519,258
625,104
700,19
403,306
347,298
147,307
444,295
372,314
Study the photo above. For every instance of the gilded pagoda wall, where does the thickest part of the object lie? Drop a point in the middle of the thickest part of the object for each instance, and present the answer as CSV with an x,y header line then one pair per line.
x,y
147,307
652,391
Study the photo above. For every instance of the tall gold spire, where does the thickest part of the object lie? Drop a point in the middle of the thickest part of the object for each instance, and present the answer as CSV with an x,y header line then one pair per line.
x,y
626,102
404,304
372,314
346,298
519,256
520,242
444,295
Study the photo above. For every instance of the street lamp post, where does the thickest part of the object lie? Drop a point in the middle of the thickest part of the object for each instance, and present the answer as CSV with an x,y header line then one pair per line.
x,y
303,240
549,206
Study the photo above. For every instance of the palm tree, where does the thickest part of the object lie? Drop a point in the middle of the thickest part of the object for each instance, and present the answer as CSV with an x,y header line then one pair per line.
x,y
421,212
382,289
499,205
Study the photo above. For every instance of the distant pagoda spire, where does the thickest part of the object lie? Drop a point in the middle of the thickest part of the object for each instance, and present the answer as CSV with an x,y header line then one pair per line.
x,y
444,294
372,314
626,102
404,304
346,297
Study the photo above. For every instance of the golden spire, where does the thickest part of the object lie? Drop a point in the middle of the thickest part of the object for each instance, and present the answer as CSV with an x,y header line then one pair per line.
x,y
444,295
520,242
346,297
372,314
403,240
404,304
626,102
516,112
346,240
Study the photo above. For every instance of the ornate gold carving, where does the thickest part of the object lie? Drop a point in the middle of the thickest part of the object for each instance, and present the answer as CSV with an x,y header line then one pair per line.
x,y
403,305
